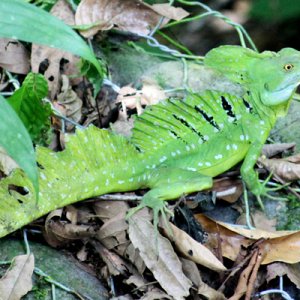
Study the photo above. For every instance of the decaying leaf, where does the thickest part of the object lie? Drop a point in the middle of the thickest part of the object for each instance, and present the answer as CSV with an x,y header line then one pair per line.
x,y
159,257
170,12
228,189
59,232
270,150
287,168
193,250
53,62
17,280
281,246
191,270
70,101
128,15
13,56
150,94
281,269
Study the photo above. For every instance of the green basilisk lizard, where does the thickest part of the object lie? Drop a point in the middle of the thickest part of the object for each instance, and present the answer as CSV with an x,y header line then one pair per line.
x,y
177,147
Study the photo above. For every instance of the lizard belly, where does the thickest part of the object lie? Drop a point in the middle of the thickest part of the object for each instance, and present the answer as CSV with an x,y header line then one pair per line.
x,y
208,159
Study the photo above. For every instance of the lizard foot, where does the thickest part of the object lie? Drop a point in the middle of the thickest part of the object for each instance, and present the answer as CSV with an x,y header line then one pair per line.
x,y
158,206
263,190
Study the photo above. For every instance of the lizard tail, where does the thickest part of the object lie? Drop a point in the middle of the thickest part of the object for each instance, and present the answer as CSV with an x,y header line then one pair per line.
x,y
80,171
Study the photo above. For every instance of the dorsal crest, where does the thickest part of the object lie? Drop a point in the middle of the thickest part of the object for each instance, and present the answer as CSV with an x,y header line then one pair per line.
x,y
190,121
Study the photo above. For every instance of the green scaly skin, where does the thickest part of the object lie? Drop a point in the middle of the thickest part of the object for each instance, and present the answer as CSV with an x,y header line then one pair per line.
x,y
177,146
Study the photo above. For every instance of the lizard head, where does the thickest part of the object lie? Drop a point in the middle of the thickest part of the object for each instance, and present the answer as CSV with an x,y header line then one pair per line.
x,y
274,76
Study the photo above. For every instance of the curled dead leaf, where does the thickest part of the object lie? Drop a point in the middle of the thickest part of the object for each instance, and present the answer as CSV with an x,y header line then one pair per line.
x,y
13,56
287,168
270,150
54,62
128,15
279,246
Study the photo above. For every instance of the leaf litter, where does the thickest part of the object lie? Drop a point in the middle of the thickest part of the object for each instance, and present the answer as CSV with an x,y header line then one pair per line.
x,y
177,265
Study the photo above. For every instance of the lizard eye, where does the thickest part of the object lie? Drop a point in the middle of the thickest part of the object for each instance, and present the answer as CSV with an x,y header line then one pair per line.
x,y
288,67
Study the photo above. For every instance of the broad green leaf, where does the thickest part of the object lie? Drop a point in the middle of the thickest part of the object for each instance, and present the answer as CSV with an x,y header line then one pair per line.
x,y
15,139
27,103
26,22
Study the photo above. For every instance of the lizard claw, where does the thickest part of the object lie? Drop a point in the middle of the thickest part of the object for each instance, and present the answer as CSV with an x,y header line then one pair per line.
x,y
158,207
263,190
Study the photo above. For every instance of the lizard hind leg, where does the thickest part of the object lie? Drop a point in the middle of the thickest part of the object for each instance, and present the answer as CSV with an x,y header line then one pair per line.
x,y
168,184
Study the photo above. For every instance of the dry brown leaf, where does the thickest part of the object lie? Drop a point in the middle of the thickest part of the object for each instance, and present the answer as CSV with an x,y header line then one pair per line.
x,y
191,270
170,12
71,103
259,221
17,280
270,150
287,168
159,257
108,209
128,15
279,246
228,189
193,250
150,94
13,56
53,62
58,232
114,262
280,269
123,125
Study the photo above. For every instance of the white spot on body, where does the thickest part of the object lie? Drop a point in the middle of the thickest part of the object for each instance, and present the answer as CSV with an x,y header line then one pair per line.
x,y
173,154
130,179
242,137
234,146
187,148
178,151
218,156
191,169
96,188
86,190
228,147
262,122
206,138
164,158
208,164
104,172
193,146
107,182
121,181
43,176
200,164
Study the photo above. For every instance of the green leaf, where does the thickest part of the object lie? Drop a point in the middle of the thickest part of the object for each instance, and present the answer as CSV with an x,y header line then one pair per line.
x,y
27,103
26,22
15,139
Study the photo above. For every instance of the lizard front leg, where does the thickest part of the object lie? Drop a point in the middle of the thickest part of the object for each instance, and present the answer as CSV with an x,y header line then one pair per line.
x,y
249,175
169,183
